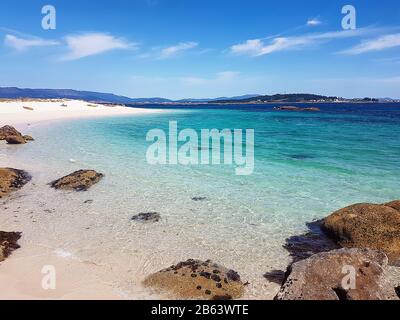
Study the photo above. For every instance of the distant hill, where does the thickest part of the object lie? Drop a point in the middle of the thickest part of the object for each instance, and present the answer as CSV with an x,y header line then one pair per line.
x,y
388,100
247,96
295,98
287,98
99,97
14,93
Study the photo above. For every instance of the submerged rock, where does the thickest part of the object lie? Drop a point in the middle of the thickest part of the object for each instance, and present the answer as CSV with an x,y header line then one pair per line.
x,y
325,276
367,225
147,217
80,180
199,199
311,242
196,279
8,131
301,156
287,108
12,180
8,243
312,109
303,246
293,108
275,276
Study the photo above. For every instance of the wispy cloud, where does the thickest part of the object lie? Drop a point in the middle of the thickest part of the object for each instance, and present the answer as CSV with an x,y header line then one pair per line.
x,y
257,47
22,44
260,47
384,42
176,49
314,22
89,44
161,53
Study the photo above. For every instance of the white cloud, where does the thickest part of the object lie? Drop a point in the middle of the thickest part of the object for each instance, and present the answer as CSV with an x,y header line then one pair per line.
x,y
89,44
314,22
258,47
250,47
176,49
21,44
378,44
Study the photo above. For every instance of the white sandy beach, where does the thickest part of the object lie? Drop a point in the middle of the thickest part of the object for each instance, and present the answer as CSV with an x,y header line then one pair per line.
x,y
12,112
21,274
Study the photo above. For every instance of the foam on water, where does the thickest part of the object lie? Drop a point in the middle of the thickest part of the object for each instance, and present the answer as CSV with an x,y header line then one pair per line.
x,y
306,166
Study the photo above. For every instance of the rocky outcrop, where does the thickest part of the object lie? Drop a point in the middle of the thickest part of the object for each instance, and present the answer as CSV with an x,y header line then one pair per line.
x,y
367,225
293,108
311,109
195,279
8,131
80,180
147,217
12,180
15,140
345,274
28,138
13,136
8,243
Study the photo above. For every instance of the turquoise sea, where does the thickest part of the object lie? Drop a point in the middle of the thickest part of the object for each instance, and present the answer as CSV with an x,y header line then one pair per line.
x,y
307,165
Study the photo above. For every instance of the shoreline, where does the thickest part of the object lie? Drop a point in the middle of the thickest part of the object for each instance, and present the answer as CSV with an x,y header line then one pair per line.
x,y
21,274
13,112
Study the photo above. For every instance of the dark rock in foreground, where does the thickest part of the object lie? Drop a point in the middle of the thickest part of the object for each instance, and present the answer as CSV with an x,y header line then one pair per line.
x,y
195,279
8,243
367,226
80,180
12,180
325,276
305,245
147,217
275,276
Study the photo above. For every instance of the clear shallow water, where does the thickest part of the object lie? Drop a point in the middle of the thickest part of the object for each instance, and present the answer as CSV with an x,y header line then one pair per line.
x,y
306,166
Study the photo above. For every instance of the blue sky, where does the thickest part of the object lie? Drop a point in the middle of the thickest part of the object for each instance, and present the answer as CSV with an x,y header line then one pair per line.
x,y
202,48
